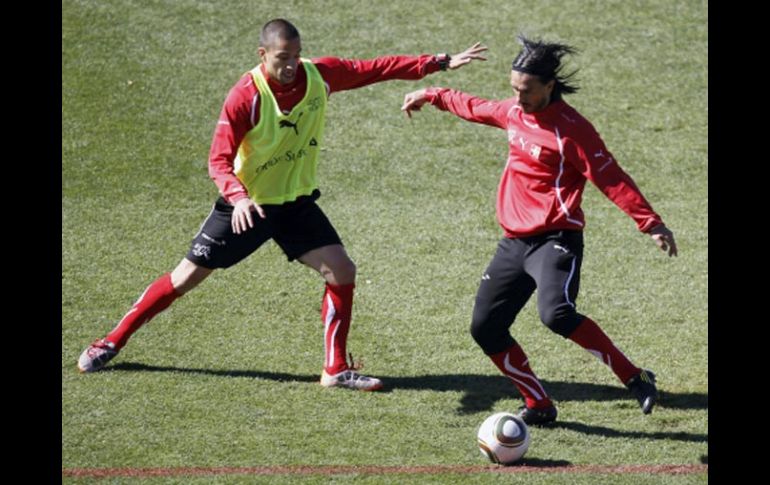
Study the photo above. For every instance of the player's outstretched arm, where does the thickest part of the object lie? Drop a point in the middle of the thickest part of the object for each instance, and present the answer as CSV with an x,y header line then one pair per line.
x,y
465,57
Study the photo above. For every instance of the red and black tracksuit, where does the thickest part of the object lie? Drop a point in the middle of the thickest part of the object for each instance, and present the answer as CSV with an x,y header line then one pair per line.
x,y
551,154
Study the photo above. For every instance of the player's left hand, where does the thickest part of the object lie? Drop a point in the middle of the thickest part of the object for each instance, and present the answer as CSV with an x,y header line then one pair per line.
x,y
413,101
466,56
242,220
664,239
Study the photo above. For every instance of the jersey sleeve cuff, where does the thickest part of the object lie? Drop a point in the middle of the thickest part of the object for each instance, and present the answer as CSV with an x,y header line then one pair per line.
x,y
647,226
232,199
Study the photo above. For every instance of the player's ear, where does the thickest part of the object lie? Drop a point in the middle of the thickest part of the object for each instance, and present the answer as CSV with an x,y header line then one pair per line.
x,y
550,85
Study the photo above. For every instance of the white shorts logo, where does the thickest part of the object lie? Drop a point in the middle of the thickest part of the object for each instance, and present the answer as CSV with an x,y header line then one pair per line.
x,y
201,250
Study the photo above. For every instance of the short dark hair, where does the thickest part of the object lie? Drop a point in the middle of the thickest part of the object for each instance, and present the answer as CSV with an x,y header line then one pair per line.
x,y
280,28
543,60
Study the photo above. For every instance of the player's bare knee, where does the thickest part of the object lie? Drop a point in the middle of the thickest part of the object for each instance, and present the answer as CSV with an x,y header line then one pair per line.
x,y
187,275
341,273
348,271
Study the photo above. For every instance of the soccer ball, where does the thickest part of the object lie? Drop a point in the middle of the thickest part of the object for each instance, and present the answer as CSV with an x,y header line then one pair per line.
x,y
503,438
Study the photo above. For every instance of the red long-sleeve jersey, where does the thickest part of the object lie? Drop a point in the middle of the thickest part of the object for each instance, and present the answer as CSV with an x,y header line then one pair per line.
x,y
551,153
240,112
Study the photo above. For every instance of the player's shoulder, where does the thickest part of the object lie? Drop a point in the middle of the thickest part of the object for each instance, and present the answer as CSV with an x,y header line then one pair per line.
x,y
330,63
326,61
506,104
243,90
572,121
246,84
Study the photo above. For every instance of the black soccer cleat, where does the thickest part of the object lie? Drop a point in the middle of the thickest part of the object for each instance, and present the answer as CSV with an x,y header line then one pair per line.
x,y
643,387
538,416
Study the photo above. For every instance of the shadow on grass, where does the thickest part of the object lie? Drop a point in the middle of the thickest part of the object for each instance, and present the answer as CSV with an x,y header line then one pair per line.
x,y
614,433
481,392
270,376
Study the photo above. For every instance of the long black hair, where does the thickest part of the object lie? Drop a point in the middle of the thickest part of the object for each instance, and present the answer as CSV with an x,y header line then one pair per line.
x,y
543,60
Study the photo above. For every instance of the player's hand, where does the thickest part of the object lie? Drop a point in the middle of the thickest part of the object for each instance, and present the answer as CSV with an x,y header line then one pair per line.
x,y
664,239
242,219
466,56
414,101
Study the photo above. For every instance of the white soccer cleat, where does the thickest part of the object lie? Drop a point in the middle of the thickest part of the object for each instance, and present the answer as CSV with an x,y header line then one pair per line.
x,y
96,356
351,379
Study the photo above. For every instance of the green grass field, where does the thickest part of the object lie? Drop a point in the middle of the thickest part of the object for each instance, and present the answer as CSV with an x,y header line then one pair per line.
x,y
227,377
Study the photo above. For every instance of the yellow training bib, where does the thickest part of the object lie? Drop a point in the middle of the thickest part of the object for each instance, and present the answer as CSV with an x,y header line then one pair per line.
x,y
277,159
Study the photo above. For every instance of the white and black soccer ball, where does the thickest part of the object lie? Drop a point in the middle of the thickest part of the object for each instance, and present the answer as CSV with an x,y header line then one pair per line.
x,y
503,438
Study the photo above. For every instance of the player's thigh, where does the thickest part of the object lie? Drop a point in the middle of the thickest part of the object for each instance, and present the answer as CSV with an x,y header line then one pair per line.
x,y
504,288
306,229
555,266
215,245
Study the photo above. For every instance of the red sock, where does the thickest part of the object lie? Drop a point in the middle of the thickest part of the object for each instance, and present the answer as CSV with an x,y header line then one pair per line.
x,y
336,311
156,298
514,364
589,336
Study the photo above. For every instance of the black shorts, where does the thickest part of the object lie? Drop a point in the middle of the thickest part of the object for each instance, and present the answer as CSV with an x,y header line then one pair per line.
x,y
297,227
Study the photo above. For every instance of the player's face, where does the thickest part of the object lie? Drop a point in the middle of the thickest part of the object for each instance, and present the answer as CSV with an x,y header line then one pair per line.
x,y
281,59
533,95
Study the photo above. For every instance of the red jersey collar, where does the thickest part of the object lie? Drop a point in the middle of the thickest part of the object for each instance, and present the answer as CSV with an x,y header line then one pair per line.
x,y
546,114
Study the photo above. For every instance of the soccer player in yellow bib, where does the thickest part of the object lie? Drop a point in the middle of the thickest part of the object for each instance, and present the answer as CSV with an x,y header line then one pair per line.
x,y
263,160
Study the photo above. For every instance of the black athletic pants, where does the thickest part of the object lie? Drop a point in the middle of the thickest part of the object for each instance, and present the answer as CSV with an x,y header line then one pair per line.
x,y
548,262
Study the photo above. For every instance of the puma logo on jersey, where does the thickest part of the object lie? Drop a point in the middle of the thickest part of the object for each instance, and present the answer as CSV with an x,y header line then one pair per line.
x,y
606,164
287,123
534,150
